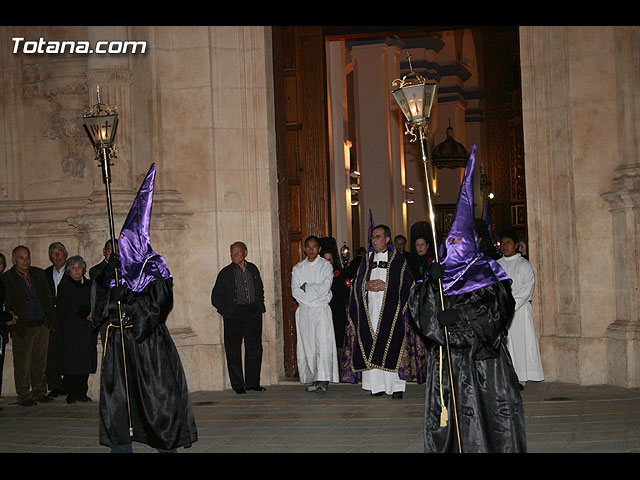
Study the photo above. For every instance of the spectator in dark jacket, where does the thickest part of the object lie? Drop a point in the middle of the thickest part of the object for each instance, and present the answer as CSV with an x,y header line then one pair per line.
x,y
238,295
77,347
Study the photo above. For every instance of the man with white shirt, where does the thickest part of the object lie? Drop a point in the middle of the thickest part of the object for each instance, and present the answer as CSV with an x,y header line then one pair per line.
x,y
382,347
54,273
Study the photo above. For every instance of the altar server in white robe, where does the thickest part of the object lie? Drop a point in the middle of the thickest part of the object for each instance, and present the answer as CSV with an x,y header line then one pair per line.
x,y
311,281
522,341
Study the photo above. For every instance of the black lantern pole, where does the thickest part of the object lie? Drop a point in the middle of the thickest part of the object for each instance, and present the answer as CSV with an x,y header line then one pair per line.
x,y
101,123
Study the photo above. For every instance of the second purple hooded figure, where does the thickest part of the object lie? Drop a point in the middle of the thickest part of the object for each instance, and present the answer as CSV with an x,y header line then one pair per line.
x,y
478,306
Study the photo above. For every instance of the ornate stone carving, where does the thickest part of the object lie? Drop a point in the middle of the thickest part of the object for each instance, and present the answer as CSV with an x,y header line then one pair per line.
x,y
66,125
62,81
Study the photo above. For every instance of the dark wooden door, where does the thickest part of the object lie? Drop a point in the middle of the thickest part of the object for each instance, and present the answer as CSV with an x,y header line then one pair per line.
x,y
302,152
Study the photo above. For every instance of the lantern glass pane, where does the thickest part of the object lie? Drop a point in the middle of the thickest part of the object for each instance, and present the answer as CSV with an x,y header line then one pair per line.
x,y
101,129
415,100
429,93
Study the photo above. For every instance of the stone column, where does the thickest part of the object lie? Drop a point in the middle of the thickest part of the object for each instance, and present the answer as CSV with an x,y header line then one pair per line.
x,y
379,141
340,204
623,343
546,105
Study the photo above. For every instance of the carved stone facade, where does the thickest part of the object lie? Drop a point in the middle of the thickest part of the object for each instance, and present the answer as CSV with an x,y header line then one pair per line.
x,y
581,107
199,103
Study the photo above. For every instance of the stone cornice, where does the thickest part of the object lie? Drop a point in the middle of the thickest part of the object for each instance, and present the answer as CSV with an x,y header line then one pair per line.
x,y
89,213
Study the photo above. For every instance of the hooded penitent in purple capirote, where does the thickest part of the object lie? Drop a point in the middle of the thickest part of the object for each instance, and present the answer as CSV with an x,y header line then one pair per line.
x,y
465,268
139,263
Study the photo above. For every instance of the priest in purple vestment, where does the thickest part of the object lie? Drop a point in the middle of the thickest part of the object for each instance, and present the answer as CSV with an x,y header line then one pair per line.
x,y
382,347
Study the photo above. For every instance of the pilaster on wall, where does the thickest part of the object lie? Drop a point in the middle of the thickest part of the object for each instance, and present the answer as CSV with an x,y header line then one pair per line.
x,y
551,204
580,108
623,335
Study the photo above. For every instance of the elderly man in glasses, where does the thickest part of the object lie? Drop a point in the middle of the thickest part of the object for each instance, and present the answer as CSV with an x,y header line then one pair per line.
x,y
382,348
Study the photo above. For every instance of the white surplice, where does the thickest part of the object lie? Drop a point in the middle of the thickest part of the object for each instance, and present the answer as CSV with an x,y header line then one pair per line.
x,y
377,380
522,341
316,349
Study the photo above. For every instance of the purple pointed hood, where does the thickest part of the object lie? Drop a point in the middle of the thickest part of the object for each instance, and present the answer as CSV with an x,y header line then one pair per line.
x,y
139,263
465,268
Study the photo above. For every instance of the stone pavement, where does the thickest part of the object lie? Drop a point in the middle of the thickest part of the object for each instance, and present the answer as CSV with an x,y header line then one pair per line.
x,y
560,418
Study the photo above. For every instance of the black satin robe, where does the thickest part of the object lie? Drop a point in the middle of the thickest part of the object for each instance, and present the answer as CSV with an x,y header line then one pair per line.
x,y
161,412
488,400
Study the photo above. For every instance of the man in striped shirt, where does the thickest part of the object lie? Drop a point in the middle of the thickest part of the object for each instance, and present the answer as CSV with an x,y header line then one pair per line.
x,y
238,295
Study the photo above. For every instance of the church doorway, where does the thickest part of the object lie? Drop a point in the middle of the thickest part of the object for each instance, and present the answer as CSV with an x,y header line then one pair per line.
x,y
318,149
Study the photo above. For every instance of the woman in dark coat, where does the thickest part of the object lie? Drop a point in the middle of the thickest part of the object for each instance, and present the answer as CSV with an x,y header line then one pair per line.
x,y
78,356
339,289
338,303
420,257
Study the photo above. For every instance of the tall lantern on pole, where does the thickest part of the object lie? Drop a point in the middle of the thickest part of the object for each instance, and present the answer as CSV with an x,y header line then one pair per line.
x,y
415,98
101,123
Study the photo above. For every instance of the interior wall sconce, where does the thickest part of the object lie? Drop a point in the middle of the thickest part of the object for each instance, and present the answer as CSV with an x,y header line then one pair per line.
x,y
406,192
354,176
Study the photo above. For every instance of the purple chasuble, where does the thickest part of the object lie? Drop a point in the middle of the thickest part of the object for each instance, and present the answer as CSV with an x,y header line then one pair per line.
x,y
396,347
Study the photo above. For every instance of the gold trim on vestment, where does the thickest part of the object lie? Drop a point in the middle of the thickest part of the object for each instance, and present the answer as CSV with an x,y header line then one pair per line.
x,y
367,359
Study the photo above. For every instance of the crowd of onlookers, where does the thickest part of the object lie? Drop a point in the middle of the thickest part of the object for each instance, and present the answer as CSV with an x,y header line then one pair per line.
x,y
47,315
47,312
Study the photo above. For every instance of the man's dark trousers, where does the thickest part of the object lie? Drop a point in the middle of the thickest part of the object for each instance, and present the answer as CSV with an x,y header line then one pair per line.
x,y
245,323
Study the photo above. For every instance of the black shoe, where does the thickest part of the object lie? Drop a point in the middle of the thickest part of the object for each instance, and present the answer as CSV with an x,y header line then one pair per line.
x,y
256,389
397,395
55,393
239,390
379,394
71,400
